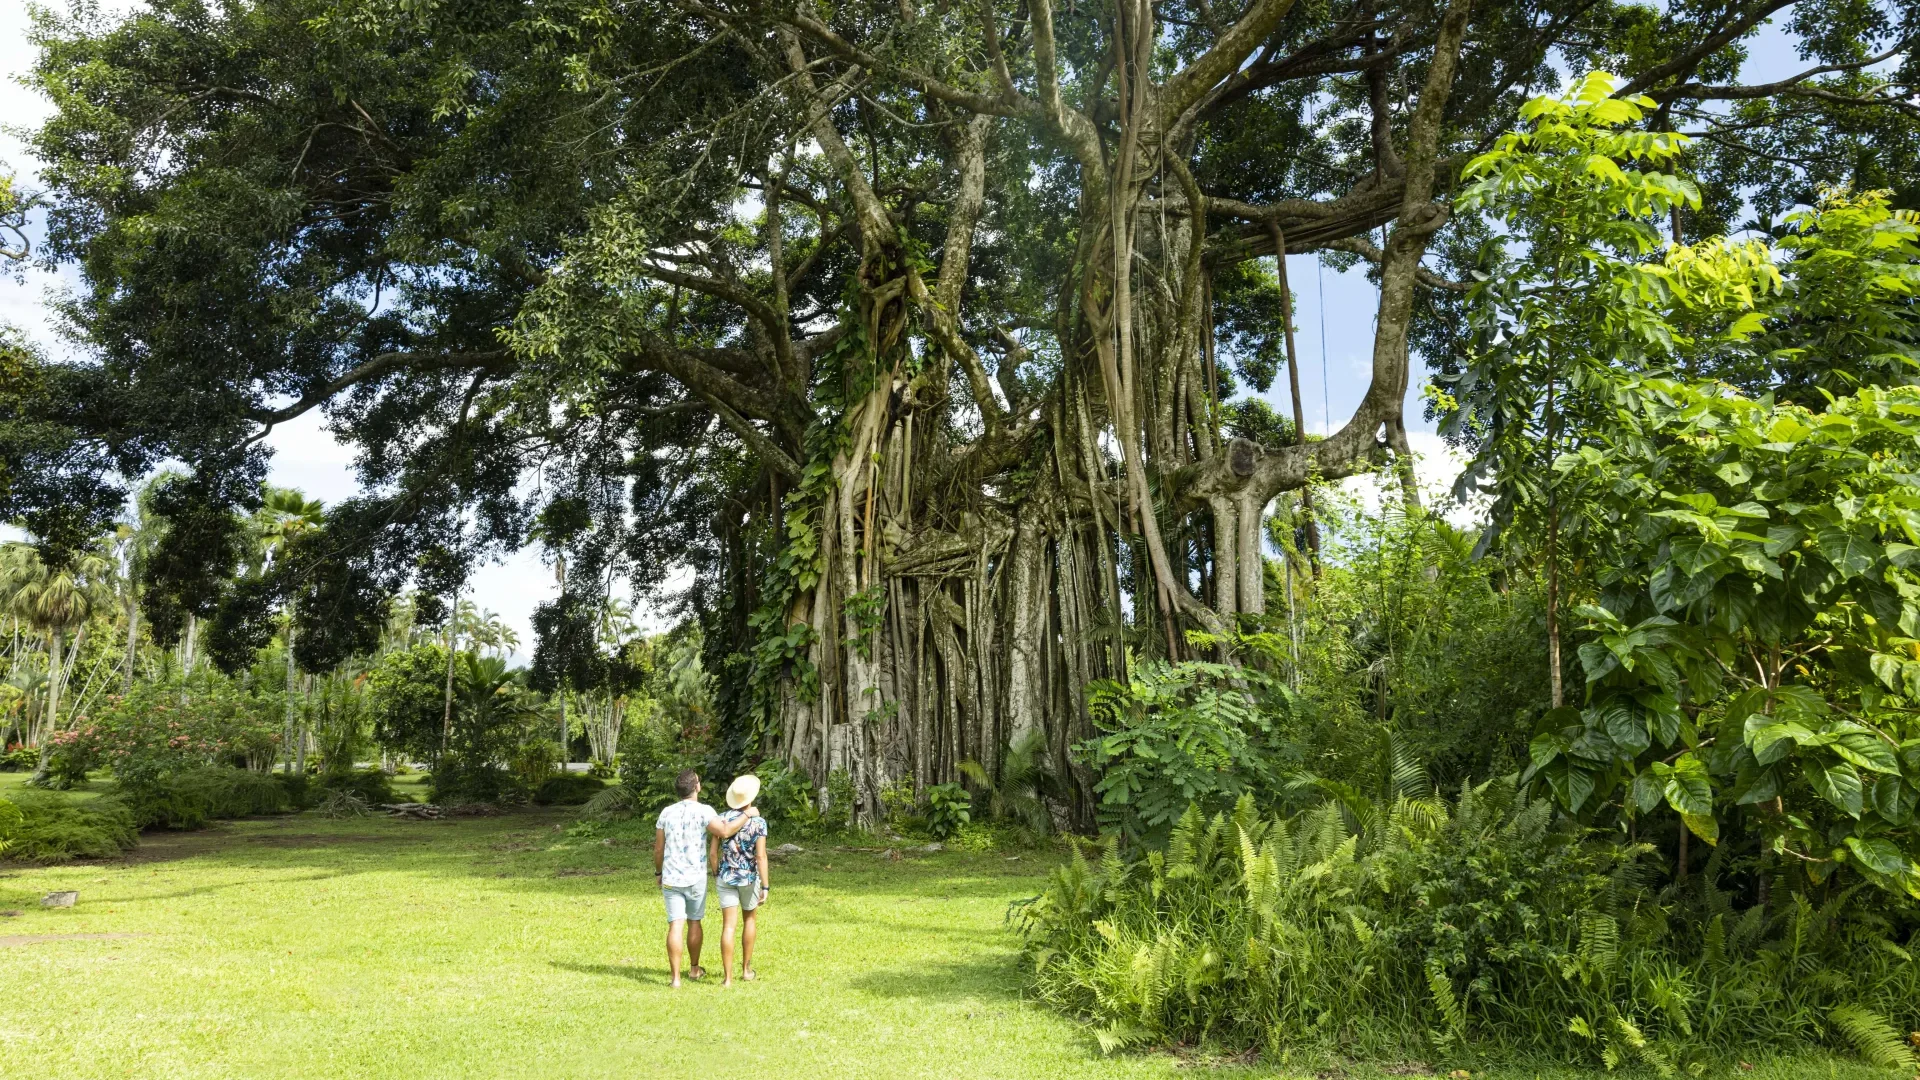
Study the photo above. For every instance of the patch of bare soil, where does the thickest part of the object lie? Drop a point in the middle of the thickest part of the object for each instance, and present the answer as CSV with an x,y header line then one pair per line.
x,y
322,839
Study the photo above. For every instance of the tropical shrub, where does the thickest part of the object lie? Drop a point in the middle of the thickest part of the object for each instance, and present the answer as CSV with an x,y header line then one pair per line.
x,y
652,754
786,798
1485,926
159,729
17,758
48,828
1174,736
900,805
456,780
568,789
298,786
1752,661
949,807
533,761
1406,630
840,800
406,695
191,798
371,786
71,755
612,803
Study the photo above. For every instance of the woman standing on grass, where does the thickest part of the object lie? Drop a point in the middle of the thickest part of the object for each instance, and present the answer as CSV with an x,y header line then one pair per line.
x,y
742,879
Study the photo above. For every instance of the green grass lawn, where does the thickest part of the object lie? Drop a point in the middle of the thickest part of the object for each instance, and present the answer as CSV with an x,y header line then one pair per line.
x,y
496,947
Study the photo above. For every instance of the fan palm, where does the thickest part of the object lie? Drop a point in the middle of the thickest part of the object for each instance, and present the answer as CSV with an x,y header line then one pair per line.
x,y
1026,783
53,600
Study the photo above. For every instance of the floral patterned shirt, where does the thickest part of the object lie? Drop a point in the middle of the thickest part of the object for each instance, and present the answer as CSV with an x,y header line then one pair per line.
x,y
737,864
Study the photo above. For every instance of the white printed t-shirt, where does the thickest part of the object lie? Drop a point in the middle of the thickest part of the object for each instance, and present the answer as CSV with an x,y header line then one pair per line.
x,y
685,859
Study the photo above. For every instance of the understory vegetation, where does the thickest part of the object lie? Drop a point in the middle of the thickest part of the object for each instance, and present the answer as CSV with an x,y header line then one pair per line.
x,y
1478,927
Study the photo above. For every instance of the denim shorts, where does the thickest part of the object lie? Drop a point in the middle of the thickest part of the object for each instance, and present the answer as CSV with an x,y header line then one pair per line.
x,y
745,897
686,901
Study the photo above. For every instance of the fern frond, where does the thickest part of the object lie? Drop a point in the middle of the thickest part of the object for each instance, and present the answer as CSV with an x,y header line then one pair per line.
x,y
1869,1033
1119,1036
1626,1033
1599,945
1407,776
1444,1000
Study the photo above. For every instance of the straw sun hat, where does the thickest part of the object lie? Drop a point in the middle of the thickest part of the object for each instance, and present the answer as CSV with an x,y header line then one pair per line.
x,y
743,790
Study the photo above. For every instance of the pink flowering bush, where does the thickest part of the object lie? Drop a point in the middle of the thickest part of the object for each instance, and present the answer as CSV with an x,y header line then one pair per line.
x,y
156,731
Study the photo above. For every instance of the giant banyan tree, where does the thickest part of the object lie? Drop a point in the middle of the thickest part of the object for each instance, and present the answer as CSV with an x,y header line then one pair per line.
x,y
927,336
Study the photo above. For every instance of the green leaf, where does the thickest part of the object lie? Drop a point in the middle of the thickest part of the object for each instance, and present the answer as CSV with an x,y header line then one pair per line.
x,y
1887,668
1865,749
1734,473
1770,742
1702,826
1893,800
1763,786
1879,855
1627,729
1686,785
1837,783
1781,538
1849,552
1572,785
1646,792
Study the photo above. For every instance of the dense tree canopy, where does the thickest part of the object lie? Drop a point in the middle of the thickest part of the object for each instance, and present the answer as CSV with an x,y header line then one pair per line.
x,y
918,333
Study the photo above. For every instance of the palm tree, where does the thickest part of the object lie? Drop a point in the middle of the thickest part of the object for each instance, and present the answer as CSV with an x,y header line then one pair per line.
x,y
133,544
53,601
284,516
488,695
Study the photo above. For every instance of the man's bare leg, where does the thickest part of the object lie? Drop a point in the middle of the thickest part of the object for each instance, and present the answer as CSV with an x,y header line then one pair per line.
x,y
694,970
674,931
728,917
746,945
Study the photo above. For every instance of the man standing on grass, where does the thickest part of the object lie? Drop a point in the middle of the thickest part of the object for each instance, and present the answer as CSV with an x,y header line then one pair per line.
x,y
680,866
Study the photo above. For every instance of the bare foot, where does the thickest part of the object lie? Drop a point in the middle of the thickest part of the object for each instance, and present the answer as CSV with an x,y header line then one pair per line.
x,y
748,975
726,984
697,974
674,985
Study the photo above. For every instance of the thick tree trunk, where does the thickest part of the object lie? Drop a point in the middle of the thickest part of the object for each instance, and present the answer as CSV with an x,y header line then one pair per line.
x,y
957,611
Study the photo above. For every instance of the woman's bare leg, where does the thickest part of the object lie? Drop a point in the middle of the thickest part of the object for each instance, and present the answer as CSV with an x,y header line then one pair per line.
x,y
728,917
746,944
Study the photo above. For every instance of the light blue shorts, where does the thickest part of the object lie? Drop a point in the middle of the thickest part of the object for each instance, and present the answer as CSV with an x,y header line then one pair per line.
x,y
686,901
745,897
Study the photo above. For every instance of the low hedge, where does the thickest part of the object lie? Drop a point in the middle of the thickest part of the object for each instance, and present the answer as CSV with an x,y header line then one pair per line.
x,y
191,798
372,786
568,789
45,827
454,783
